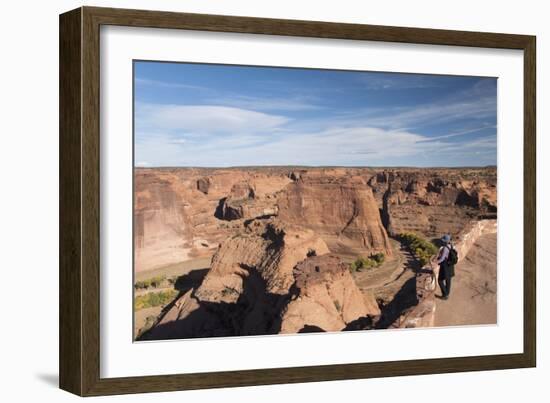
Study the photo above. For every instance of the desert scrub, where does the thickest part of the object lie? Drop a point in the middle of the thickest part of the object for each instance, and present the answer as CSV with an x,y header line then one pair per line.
x,y
153,282
378,258
367,263
422,249
153,299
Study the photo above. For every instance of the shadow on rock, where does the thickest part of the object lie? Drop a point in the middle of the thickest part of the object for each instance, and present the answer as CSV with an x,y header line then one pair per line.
x,y
256,312
193,279
403,300
311,329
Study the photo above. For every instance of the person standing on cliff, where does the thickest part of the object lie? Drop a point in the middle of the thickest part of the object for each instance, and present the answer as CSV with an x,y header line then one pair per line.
x,y
445,268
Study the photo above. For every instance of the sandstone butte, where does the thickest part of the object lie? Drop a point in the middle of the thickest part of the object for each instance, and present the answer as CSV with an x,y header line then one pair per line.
x,y
280,240
271,278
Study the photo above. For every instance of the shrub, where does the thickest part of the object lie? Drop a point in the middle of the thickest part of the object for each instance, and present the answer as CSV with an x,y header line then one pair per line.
x,y
378,258
153,299
141,285
153,282
364,263
422,249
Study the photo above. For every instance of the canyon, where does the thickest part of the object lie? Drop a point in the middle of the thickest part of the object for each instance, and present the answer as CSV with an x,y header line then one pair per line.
x,y
266,250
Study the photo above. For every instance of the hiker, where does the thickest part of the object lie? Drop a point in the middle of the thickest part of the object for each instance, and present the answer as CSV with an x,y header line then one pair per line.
x,y
446,259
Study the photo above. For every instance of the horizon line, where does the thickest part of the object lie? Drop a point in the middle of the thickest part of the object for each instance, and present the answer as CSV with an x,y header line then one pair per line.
x,y
315,166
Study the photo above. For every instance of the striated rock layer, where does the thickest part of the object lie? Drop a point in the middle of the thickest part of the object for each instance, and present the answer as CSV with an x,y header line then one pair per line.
x,y
268,247
272,278
342,210
184,213
434,201
275,237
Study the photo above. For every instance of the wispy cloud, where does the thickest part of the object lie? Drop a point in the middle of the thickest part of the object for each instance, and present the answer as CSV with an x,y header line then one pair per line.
x,y
381,81
168,84
430,114
341,146
334,118
269,103
204,119
461,133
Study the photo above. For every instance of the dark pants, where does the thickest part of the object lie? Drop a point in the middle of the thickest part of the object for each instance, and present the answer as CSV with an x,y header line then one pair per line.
x,y
444,280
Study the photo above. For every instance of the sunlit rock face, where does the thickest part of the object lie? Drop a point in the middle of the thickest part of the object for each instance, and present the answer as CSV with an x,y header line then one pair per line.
x,y
434,201
272,277
341,209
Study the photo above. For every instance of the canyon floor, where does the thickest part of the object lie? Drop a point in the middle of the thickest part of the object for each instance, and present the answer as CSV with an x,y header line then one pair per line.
x,y
228,252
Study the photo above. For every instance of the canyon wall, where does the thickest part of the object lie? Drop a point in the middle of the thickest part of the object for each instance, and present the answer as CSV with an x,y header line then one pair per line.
x,y
185,213
272,278
342,210
280,241
435,201
179,212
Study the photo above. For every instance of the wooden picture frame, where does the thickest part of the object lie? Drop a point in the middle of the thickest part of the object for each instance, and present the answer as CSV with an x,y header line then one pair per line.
x,y
80,199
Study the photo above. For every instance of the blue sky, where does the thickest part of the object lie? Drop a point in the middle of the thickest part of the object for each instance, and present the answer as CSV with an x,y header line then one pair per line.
x,y
218,116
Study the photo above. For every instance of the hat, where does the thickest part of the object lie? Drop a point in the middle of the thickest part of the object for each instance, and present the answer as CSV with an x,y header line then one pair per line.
x,y
446,238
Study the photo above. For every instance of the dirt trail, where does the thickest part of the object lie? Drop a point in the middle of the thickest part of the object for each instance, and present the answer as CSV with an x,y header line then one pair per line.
x,y
473,299
386,281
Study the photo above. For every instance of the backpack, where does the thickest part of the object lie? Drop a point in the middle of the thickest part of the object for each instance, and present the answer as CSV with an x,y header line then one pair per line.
x,y
452,259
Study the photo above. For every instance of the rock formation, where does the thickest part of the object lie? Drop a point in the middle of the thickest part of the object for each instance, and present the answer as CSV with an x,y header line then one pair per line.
x,y
277,238
271,278
179,212
342,210
161,225
267,247
243,203
325,297
431,202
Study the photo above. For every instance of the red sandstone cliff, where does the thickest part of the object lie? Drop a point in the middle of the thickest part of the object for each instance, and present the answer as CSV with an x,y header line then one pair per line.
x,y
342,210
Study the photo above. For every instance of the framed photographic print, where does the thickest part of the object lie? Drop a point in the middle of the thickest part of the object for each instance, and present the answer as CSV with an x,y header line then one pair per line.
x,y
251,201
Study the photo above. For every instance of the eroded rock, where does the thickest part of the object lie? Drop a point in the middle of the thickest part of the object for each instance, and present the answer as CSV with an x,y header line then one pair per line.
x,y
271,278
326,297
341,209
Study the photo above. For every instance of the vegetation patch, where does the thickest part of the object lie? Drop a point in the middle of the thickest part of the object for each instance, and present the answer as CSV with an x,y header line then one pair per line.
x,y
154,282
367,263
152,299
421,249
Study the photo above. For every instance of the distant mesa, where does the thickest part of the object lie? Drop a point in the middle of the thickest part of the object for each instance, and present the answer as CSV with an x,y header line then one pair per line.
x,y
354,210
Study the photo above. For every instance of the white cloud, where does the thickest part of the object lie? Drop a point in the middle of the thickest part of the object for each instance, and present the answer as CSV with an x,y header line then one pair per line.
x,y
208,119
374,81
273,104
220,135
433,113
167,84
461,133
339,146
